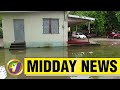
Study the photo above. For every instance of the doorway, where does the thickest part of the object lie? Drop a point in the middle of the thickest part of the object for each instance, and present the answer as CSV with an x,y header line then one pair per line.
x,y
19,30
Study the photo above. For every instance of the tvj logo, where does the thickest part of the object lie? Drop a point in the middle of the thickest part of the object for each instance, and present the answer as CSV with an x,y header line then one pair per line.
x,y
14,67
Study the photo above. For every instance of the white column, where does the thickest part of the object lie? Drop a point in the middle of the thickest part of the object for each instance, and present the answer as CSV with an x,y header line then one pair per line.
x,y
89,26
88,29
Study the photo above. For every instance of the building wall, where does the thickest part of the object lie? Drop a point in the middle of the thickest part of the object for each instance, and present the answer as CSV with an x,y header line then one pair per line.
x,y
33,28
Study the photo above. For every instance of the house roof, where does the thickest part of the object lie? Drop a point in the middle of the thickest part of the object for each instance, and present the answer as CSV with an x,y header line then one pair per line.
x,y
74,19
81,17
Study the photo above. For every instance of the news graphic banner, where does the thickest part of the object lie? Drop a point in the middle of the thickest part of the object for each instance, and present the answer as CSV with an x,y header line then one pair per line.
x,y
71,66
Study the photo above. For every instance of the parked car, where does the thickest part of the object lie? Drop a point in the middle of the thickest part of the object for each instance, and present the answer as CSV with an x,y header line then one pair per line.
x,y
113,34
91,35
79,35
87,35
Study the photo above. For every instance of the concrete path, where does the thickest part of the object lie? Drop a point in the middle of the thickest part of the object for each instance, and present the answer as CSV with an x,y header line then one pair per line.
x,y
103,39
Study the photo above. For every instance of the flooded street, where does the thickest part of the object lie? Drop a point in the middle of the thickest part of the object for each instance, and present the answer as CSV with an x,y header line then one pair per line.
x,y
105,50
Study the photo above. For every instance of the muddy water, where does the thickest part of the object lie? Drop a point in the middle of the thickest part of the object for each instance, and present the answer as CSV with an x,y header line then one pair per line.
x,y
6,55
76,51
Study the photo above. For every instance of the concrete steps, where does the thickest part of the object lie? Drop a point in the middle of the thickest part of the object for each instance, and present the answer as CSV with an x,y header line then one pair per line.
x,y
17,46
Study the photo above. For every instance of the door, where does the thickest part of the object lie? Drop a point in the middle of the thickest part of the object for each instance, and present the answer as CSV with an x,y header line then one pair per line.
x,y
19,30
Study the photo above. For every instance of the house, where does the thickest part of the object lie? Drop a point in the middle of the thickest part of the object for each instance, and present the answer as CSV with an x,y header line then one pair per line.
x,y
35,29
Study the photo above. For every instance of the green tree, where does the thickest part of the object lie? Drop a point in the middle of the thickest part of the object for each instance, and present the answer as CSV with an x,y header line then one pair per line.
x,y
111,21
105,20
98,25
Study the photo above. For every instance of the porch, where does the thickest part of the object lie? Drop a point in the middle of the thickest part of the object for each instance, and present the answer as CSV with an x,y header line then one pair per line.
x,y
76,20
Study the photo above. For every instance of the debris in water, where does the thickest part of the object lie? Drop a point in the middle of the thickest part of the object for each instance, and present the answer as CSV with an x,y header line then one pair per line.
x,y
90,52
80,55
82,52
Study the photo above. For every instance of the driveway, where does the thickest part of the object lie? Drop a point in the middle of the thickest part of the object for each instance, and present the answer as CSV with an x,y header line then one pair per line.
x,y
1,42
104,39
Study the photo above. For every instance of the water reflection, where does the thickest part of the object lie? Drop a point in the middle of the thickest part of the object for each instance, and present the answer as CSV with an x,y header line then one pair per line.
x,y
33,52
7,55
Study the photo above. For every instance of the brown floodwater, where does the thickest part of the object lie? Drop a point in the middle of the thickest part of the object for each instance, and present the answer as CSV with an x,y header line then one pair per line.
x,y
73,51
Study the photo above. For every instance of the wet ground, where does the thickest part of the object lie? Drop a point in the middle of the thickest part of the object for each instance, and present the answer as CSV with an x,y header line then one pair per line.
x,y
107,49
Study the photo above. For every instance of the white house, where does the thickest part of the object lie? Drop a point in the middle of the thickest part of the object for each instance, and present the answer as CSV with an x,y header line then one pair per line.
x,y
36,29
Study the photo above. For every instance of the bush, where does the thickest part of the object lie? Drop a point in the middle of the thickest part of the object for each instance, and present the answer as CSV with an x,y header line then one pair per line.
x,y
1,33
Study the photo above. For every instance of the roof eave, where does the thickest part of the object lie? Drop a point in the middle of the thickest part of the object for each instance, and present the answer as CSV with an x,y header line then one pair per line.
x,y
82,17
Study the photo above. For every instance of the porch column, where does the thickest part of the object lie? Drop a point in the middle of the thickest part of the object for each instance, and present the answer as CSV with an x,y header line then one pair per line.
x,y
88,29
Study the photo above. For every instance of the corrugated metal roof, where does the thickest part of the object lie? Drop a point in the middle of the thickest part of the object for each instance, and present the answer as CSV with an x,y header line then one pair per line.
x,y
81,17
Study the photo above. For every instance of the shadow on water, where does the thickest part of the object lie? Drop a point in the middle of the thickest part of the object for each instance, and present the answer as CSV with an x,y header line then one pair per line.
x,y
75,52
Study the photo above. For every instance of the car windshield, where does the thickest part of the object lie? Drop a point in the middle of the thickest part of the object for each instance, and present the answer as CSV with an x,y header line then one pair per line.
x,y
113,32
80,33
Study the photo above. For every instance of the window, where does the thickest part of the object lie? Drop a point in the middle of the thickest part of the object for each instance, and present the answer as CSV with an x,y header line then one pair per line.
x,y
50,26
